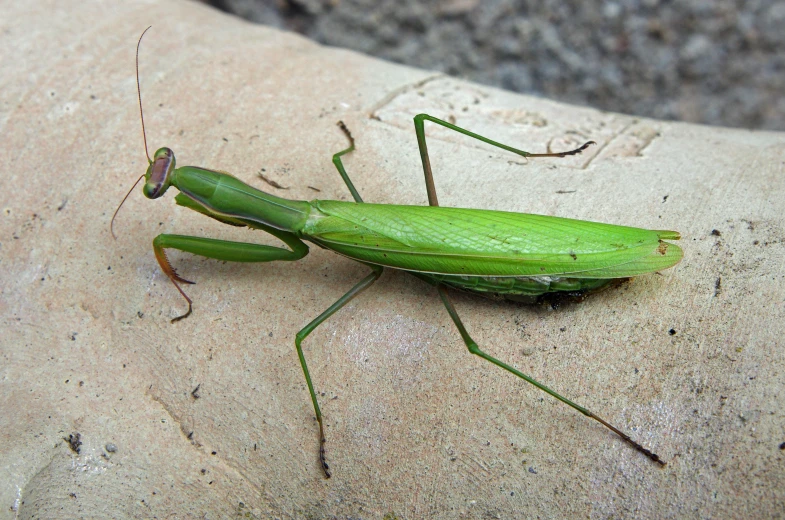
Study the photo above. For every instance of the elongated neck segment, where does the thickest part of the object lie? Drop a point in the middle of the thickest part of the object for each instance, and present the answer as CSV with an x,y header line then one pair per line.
x,y
224,195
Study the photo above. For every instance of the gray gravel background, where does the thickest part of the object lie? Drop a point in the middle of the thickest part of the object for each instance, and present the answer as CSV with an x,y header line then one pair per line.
x,y
713,62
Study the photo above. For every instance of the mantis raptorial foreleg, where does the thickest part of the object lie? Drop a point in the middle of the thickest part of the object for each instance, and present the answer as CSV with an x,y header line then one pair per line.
x,y
224,250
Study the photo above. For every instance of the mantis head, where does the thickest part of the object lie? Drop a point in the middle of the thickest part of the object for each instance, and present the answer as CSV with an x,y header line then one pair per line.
x,y
158,176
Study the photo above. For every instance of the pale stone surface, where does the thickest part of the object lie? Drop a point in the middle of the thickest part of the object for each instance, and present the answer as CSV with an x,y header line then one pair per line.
x,y
416,426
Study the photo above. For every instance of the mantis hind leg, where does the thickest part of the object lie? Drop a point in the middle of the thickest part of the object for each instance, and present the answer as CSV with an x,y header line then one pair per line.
x,y
419,128
343,300
474,349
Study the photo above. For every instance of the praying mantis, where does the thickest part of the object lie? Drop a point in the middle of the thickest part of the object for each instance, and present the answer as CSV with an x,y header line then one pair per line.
x,y
495,254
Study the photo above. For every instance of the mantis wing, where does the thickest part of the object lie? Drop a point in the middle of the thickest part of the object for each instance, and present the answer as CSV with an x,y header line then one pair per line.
x,y
475,242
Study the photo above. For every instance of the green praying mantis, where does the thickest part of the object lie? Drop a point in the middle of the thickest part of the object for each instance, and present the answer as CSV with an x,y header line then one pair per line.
x,y
495,254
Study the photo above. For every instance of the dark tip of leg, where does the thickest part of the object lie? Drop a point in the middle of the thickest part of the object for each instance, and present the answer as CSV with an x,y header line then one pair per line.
x,y
653,456
184,315
577,150
325,466
562,154
346,131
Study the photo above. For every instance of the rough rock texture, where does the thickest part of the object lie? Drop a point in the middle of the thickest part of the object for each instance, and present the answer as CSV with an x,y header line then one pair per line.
x,y
714,62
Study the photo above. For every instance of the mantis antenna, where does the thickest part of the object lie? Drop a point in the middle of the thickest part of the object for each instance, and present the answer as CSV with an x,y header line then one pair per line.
x,y
144,133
